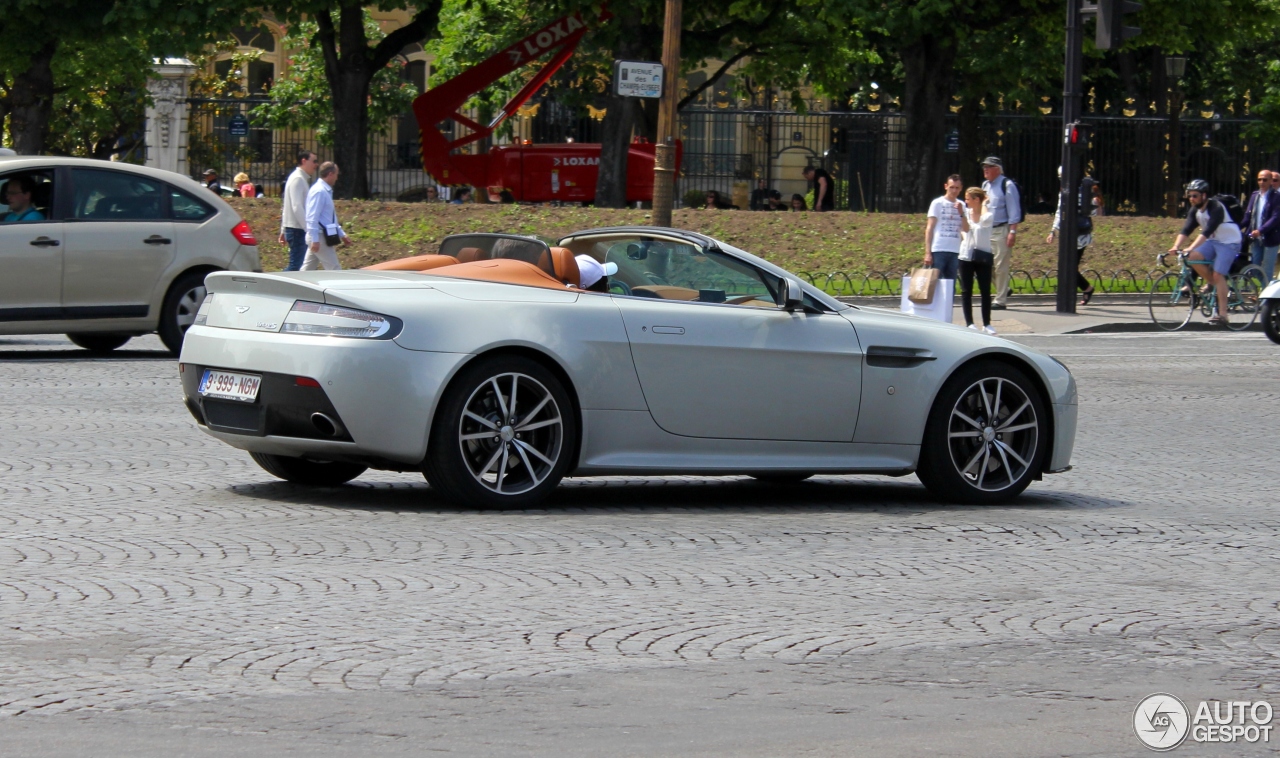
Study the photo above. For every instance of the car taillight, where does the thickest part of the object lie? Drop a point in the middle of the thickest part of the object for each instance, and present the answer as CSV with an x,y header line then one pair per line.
x,y
243,234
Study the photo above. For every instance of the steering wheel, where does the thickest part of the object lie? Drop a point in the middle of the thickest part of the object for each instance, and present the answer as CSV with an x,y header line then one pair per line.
x,y
624,288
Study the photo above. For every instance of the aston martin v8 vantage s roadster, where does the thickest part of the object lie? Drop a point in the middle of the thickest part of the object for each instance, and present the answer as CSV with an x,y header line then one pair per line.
x,y
492,369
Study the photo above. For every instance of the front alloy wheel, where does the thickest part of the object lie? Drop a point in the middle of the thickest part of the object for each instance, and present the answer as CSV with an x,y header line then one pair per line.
x,y
986,436
503,436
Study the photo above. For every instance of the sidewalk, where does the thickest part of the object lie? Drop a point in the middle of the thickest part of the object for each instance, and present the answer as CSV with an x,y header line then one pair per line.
x,y
1037,314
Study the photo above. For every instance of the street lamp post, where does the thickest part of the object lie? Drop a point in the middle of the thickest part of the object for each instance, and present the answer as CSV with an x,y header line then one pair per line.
x,y
664,153
1175,66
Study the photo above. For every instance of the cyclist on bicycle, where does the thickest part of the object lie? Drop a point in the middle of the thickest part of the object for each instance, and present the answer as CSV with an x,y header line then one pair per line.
x,y
1216,246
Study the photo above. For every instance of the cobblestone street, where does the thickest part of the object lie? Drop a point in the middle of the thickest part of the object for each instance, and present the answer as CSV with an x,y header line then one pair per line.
x,y
162,595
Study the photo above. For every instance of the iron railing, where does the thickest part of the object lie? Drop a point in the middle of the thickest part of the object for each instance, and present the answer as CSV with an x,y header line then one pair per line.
x,y
1022,281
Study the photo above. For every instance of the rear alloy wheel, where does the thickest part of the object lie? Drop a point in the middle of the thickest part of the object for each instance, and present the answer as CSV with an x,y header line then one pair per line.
x,y
986,436
99,344
503,435
1271,319
311,473
179,310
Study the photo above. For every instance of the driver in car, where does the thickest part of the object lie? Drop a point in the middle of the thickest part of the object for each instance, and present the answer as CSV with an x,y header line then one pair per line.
x,y
17,193
593,275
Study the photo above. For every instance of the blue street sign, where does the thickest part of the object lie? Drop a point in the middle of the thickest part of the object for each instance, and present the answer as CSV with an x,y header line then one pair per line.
x,y
238,126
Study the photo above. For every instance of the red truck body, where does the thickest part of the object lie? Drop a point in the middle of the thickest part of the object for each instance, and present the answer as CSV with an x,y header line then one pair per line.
x,y
564,171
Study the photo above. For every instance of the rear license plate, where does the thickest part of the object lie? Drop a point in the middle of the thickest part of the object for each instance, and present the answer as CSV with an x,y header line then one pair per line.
x,y
230,386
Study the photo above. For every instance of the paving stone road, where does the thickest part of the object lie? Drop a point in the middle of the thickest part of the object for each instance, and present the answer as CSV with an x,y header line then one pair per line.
x,y
161,595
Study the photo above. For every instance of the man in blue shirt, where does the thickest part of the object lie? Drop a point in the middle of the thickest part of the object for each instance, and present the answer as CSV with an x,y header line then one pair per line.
x,y
322,223
17,193
1006,214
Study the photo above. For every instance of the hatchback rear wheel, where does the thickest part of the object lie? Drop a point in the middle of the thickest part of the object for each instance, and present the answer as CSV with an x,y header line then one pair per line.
x,y
179,310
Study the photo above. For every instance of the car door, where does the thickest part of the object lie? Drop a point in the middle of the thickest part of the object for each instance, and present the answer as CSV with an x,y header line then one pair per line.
x,y
118,240
730,363
31,254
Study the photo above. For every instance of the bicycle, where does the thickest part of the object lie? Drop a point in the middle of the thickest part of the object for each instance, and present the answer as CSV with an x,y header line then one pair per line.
x,y
1174,297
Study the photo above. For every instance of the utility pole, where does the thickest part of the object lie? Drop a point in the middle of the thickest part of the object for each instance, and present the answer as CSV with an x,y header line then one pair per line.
x,y
1068,200
664,153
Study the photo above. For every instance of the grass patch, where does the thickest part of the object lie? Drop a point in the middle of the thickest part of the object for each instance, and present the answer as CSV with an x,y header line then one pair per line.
x,y
816,243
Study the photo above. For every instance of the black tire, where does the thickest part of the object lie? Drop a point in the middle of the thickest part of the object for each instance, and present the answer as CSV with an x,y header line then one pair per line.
x,y
474,431
312,473
1243,300
961,448
1170,309
781,478
99,344
1271,319
178,312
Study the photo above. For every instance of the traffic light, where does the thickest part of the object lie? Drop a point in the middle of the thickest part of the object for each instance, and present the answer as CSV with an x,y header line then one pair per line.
x,y
1111,29
1079,133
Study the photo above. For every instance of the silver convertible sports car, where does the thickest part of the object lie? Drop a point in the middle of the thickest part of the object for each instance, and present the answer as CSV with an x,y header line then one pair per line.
x,y
494,371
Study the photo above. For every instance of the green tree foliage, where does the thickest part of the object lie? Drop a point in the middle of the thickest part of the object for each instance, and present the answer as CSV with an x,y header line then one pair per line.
x,y
300,97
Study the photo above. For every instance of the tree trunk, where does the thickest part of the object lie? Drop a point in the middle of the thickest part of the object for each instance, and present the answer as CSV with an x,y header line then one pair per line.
x,y
971,144
615,138
31,102
927,65
351,131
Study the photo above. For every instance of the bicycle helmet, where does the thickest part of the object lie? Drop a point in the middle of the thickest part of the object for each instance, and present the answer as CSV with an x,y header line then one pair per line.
x,y
1198,185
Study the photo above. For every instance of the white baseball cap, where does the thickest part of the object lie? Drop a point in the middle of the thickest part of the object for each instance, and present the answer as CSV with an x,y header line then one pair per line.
x,y
591,271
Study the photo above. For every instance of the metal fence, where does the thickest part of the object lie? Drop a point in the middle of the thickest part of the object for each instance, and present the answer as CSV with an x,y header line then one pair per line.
x,y
728,150
1022,282
268,155
864,152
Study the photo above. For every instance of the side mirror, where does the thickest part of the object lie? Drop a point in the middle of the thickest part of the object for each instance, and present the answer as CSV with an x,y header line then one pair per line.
x,y
636,253
790,295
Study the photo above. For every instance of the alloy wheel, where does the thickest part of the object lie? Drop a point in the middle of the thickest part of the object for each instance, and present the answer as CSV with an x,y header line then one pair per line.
x,y
993,434
511,433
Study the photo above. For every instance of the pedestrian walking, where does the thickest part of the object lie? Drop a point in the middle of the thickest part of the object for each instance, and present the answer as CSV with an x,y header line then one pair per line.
x,y
976,258
293,209
1006,213
1084,230
1262,224
942,230
324,234
824,189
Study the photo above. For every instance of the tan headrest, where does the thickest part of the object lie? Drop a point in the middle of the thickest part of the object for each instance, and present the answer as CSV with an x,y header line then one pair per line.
x,y
414,263
565,266
469,254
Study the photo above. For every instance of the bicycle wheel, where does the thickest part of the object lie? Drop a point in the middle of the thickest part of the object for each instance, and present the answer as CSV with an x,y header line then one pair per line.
x,y
1170,307
1243,300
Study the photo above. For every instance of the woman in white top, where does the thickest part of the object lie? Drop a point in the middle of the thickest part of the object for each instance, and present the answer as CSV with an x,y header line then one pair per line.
x,y
976,258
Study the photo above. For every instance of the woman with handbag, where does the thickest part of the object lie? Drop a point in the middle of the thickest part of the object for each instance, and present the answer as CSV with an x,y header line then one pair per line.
x,y
976,258
324,234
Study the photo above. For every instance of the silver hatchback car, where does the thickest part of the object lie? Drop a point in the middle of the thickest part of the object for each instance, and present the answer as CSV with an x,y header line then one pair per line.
x,y
108,251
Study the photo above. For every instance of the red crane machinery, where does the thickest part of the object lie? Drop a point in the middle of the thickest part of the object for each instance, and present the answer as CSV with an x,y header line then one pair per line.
x,y
532,173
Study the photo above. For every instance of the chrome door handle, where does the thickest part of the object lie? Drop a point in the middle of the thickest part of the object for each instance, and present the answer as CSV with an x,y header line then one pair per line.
x,y
156,239
45,242
668,330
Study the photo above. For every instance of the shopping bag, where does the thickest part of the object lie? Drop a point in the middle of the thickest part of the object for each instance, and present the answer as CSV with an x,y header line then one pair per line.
x,y
940,309
923,283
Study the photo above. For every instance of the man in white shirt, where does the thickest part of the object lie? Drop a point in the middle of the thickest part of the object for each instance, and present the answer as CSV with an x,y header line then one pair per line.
x,y
322,222
1006,214
942,231
293,209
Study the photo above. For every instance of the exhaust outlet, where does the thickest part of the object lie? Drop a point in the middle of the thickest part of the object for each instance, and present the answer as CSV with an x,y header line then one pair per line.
x,y
325,425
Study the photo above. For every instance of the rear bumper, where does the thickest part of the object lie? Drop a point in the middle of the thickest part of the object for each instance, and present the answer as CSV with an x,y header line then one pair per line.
x,y
383,394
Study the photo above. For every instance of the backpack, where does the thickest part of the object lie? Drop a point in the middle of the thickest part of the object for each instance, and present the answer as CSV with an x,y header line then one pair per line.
x,y
1022,198
1084,206
1231,204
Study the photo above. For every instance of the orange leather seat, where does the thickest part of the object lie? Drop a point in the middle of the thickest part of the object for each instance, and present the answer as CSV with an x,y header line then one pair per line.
x,y
471,254
566,266
506,270
414,263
